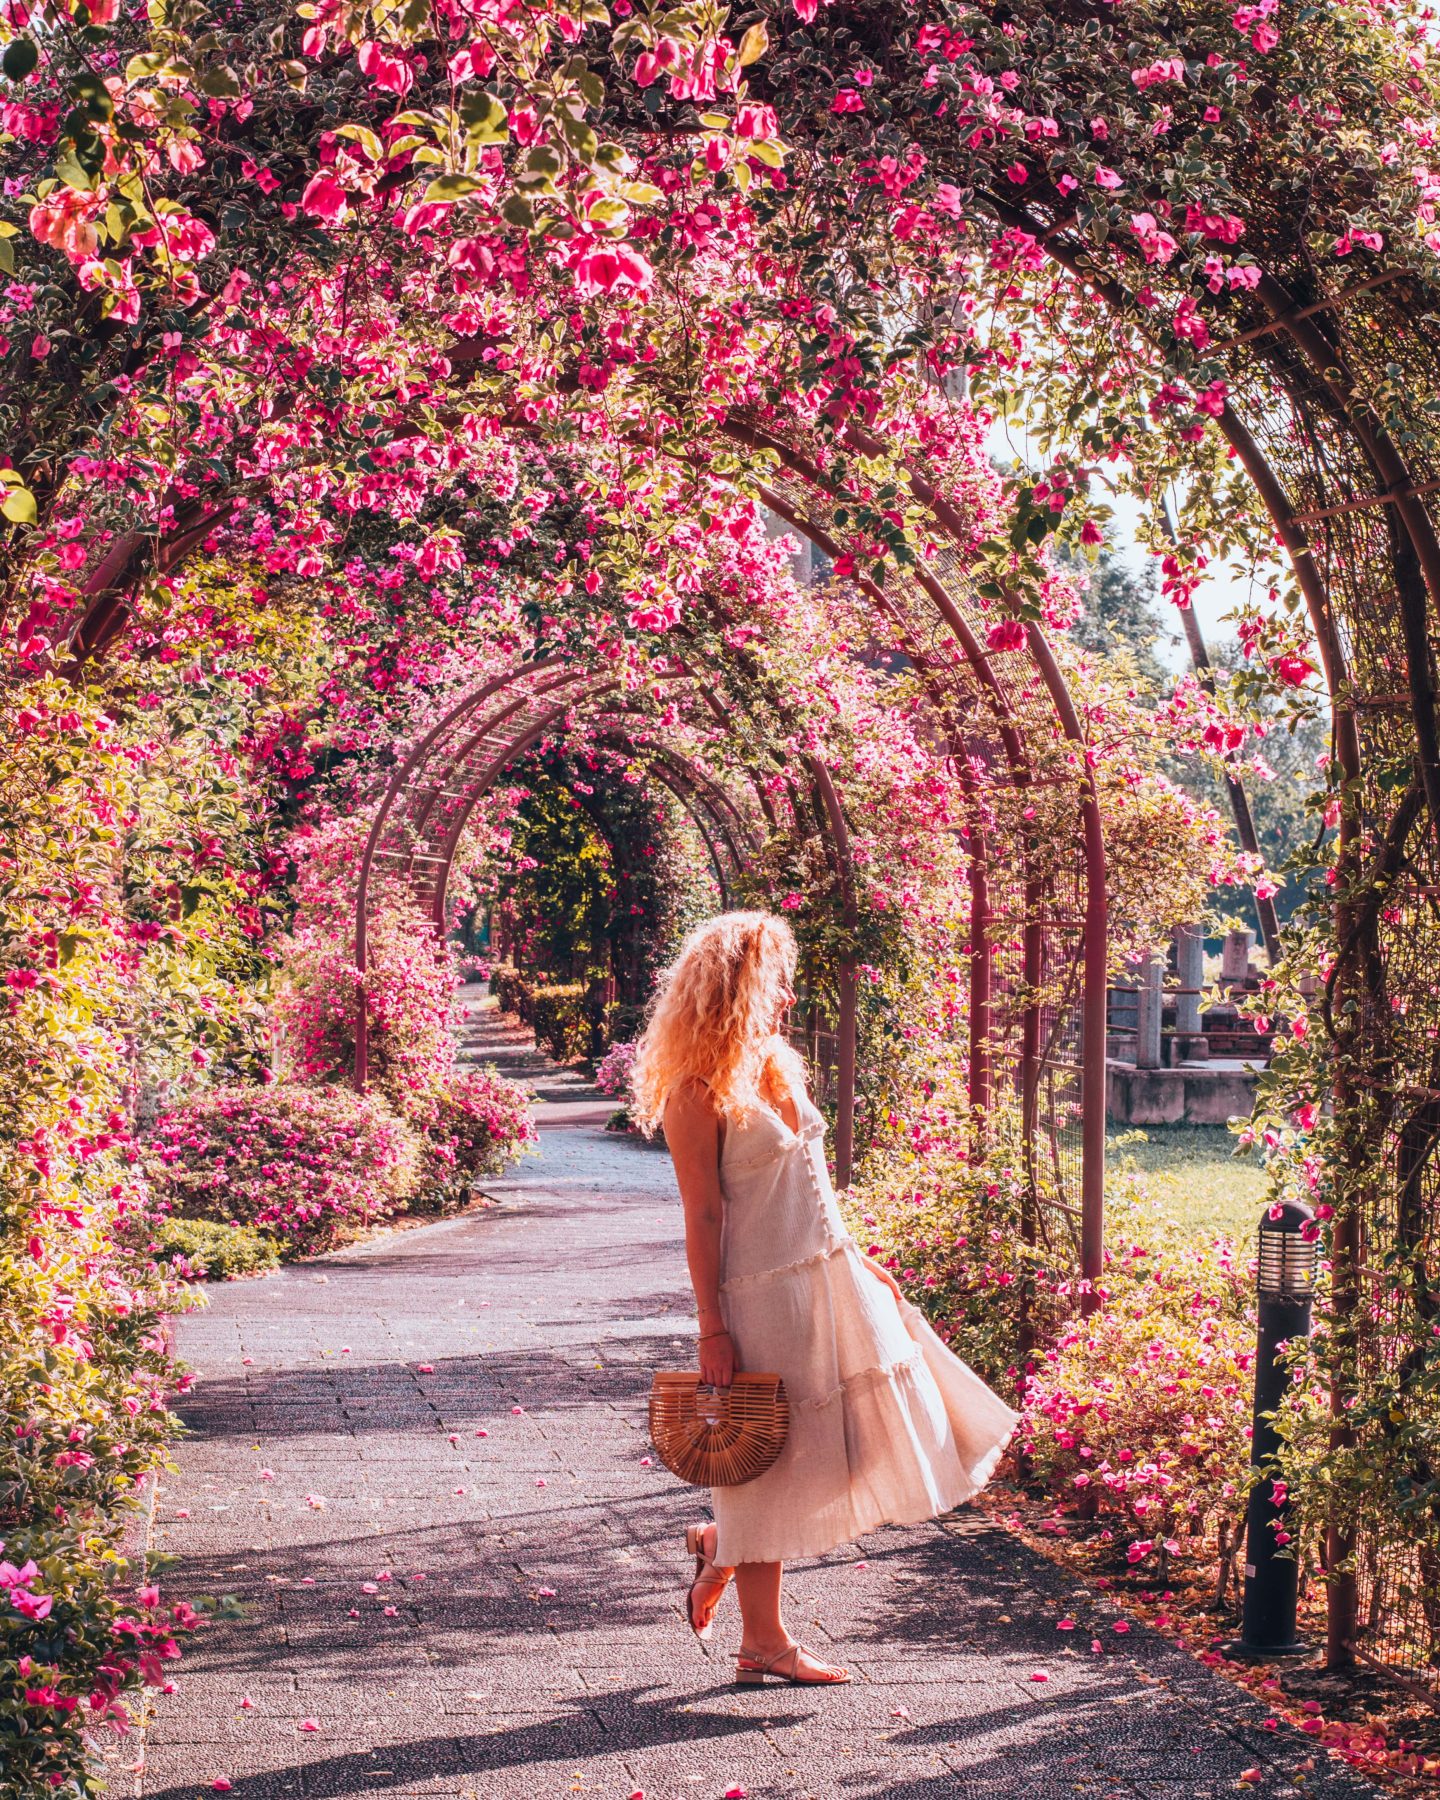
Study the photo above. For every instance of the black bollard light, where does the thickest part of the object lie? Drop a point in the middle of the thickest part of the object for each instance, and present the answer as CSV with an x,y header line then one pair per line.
x,y
1289,1258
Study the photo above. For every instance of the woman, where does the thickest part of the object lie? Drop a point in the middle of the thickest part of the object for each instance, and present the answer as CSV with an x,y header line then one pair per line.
x,y
886,1425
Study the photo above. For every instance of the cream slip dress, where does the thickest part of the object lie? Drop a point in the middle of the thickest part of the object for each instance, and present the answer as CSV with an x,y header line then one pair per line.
x,y
887,1426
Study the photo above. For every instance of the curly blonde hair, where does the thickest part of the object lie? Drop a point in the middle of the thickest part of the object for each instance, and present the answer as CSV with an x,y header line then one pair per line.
x,y
712,1020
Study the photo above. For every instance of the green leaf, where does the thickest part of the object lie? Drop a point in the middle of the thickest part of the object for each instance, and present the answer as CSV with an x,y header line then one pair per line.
x,y
365,138
609,213
451,187
539,170
754,44
7,258
20,58
18,506
767,152
484,117
221,83
578,135
74,173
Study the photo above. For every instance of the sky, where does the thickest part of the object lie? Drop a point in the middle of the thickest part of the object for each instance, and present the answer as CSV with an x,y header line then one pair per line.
x,y
1219,592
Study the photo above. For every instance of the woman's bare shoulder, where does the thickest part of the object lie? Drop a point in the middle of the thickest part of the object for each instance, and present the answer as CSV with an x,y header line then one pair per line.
x,y
691,1099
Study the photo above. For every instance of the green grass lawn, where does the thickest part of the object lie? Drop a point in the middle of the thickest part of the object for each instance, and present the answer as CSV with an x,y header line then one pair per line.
x,y
1189,1174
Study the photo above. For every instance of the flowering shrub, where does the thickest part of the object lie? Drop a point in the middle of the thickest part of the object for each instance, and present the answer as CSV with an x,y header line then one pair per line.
x,y
466,1124
950,1233
1143,1410
302,1162
612,1075
409,989
476,1124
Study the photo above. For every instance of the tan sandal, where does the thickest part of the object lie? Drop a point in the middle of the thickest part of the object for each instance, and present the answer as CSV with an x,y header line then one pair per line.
x,y
751,1671
706,1575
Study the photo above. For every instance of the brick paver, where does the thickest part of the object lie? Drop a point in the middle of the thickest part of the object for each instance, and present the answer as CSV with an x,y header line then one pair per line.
x,y
421,1465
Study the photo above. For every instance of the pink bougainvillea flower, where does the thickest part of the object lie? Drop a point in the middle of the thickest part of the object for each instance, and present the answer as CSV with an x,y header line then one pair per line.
x,y
1121,1625
1006,634
325,199
221,1784
539,1481
309,1725
611,269
737,1792
316,1502
1039,1675
424,1368
385,68
1064,1624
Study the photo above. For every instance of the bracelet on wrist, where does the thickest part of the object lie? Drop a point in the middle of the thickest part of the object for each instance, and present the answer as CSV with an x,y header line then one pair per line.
x,y
722,1332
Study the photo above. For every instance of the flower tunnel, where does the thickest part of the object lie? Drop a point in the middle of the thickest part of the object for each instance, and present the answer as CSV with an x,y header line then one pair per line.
x,y
999,719
396,411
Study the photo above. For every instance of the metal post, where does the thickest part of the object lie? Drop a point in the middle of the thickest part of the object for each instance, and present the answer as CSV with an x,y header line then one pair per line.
x,y
1234,786
1289,1258
981,988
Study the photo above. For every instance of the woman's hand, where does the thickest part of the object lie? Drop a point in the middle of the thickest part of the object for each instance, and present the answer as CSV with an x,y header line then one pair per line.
x,y
717,1360
879,1269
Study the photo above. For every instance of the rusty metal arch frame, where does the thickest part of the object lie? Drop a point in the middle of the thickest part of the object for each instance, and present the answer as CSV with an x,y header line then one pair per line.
x,y
536,711
711,809
803,484
1347,504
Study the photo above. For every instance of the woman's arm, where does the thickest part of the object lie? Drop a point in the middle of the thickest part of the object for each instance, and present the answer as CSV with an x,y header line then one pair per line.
x,y
692,1130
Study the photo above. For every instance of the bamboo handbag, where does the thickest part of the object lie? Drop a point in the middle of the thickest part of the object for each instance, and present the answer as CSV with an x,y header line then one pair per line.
x,y
713,1437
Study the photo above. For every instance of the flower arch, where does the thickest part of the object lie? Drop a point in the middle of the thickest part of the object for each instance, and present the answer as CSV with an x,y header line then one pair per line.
x,y
288,304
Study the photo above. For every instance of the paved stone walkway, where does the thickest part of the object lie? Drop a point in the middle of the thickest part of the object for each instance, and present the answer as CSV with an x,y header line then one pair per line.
x,y
422,1467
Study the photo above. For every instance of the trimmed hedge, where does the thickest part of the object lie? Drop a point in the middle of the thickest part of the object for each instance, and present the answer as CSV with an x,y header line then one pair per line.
x,y
202,1250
